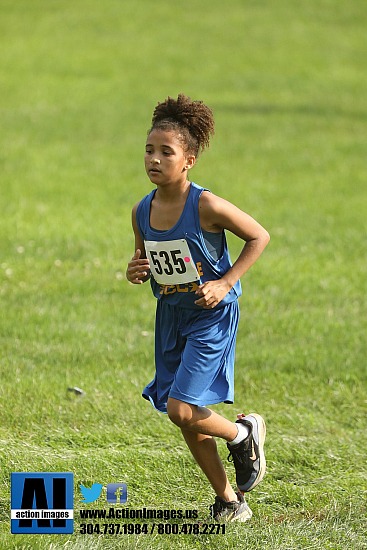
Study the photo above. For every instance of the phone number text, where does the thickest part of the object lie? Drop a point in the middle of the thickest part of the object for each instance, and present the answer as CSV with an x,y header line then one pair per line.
x,y
152,528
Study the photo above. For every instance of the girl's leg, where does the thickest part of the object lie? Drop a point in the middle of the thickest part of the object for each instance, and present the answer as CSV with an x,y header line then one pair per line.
x,y
200,420
204,450
248,453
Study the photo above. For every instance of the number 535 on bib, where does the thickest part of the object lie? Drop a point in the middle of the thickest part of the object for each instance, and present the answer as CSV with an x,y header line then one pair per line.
x,y
171,262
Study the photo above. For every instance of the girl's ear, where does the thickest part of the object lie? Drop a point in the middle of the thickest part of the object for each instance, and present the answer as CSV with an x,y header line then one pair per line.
x,y
190,161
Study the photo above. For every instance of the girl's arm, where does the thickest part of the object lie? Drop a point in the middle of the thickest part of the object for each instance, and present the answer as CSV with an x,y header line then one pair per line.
x,y
217,214
138,270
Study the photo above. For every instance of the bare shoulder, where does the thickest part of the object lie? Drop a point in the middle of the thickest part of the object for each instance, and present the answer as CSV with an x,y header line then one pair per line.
x,y
139,242
135,207
217,214
212,209
133,217
133,213
211,202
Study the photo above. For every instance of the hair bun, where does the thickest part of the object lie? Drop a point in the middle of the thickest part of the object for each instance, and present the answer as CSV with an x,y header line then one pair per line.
x,y
195,116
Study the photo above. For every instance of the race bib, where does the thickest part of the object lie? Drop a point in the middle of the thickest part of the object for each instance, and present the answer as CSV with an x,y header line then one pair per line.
x,y
171,262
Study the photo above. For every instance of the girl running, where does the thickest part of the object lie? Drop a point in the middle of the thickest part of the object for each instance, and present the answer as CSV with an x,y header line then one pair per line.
x,y
180,246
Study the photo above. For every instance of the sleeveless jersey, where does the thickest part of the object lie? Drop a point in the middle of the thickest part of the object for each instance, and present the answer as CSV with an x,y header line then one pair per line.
x,y
179,258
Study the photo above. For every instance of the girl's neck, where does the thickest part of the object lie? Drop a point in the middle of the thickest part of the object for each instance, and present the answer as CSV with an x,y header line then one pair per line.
x,y
173,193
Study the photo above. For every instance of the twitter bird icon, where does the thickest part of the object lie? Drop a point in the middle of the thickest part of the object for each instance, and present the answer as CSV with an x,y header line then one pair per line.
x,y
90,495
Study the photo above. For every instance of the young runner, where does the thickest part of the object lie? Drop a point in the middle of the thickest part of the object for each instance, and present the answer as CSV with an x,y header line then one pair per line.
x,y
180,246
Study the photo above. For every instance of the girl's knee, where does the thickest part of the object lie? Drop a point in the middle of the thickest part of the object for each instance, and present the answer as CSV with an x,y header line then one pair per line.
x,y
179,413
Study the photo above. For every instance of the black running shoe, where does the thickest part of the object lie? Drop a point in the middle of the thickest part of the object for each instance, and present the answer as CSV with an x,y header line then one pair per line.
x,y
248,456
224,511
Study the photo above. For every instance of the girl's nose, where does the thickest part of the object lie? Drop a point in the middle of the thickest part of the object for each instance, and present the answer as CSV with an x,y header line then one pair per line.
x,y
156,161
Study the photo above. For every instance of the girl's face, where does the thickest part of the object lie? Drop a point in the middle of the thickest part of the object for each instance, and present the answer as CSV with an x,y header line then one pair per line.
x,y
166,162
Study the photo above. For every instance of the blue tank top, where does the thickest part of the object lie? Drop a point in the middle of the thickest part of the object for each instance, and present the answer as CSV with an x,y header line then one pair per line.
x,y
187,228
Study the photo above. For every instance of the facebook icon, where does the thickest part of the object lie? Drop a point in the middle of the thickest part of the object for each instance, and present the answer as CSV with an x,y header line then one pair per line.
x,y
117,493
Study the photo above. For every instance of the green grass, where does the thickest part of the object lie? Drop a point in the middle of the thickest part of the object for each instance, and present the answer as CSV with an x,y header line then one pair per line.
x,y
287,83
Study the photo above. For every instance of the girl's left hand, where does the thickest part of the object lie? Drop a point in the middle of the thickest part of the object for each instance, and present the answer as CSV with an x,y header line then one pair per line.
x,y
211,293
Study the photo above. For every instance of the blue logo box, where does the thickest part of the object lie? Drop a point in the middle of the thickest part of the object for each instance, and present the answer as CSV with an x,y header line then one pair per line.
x,y
42,503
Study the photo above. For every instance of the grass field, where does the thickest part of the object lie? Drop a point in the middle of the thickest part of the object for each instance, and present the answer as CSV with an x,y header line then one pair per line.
x,y
288,86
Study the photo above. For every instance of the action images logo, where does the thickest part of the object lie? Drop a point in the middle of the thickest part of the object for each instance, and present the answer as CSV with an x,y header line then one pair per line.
x,y
42,503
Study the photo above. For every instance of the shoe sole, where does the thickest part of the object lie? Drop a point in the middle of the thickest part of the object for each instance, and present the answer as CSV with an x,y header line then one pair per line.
x,y
261,429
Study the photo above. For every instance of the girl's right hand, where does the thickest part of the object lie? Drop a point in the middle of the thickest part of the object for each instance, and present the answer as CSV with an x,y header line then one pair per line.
x,y
138,270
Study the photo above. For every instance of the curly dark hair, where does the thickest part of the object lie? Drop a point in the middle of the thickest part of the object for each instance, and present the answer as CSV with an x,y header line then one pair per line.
x,y
192,120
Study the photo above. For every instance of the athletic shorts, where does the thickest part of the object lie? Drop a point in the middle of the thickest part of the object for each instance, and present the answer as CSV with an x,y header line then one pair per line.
x,y
194,355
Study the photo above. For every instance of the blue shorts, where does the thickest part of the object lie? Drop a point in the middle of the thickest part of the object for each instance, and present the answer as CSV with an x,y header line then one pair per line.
x,y
194,355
